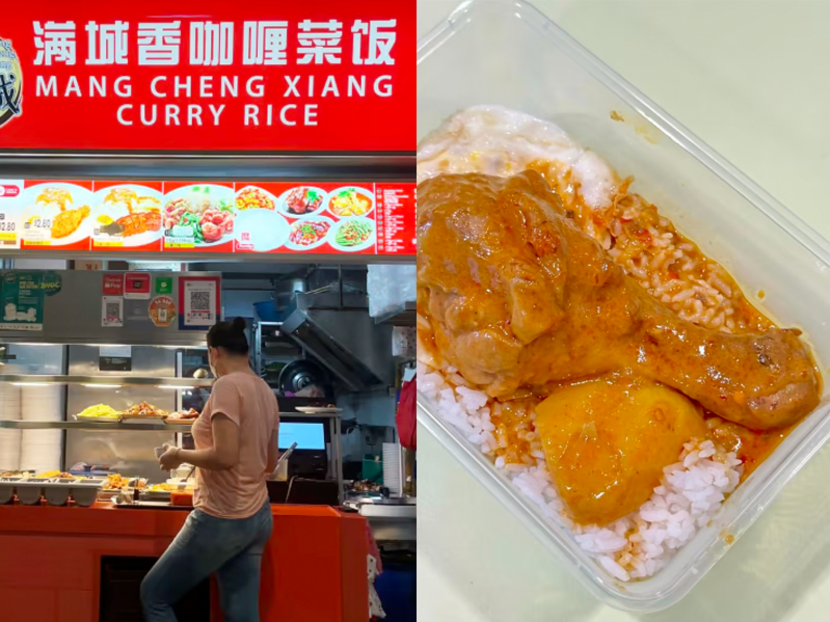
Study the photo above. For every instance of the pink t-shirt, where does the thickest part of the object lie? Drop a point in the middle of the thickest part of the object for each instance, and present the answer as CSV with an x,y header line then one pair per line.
x,y
238,492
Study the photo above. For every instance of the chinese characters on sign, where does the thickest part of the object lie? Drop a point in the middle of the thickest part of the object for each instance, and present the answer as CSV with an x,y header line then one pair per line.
x,y
212,43
55,43
107,43
158,43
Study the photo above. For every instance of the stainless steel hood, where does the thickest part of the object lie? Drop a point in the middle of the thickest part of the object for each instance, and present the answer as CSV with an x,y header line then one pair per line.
x,y
338,331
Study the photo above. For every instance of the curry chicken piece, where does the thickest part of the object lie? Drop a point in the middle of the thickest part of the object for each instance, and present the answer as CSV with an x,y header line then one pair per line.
x,y
516,296
66,223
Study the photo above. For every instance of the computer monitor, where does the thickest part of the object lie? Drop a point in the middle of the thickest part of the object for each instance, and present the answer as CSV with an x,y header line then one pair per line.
x,y
307,435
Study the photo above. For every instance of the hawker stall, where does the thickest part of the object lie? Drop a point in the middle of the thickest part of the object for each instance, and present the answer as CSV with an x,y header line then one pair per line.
x,y
209,171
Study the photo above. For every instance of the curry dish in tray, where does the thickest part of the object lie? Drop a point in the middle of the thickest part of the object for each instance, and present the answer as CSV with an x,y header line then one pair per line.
x,y
619,376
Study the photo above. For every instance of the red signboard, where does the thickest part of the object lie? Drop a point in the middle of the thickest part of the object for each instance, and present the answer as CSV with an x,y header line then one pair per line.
x,y
326,75
316,218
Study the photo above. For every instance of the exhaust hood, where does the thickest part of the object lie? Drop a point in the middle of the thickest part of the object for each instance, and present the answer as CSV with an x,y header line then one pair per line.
x,y
339,332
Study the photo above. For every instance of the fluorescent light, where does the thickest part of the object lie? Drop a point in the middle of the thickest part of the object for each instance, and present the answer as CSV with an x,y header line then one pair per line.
x,y
174,387
103,386
31,384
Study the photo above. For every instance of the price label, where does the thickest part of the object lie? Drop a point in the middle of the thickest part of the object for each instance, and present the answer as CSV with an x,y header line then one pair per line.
x,y
10,202
42,223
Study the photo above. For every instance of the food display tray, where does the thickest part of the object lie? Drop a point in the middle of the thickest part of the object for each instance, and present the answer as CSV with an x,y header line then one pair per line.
x,y
57,491
155,495
508,53
151,505
142,420
98,419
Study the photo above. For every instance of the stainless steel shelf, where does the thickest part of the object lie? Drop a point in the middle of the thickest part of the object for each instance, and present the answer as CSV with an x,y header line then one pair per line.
x,y
106,381
91,425
116,426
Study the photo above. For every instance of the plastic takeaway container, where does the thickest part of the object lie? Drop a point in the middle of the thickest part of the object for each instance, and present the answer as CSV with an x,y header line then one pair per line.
x,y
508,53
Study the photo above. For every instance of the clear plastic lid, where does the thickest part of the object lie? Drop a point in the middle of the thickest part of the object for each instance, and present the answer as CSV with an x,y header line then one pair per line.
x,y
508,53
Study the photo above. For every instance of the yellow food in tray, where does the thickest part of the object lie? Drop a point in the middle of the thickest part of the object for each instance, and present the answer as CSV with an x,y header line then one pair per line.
x,y
99,411
55,474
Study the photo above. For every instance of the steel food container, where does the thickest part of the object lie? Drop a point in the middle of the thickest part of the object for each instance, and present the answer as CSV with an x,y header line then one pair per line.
x,y
508,53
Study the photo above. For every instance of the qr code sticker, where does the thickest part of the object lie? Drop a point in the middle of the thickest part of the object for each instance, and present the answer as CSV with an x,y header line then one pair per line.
x,y
113,311
200,301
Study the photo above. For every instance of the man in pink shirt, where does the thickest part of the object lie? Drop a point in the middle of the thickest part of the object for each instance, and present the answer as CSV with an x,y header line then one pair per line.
x,y
237,442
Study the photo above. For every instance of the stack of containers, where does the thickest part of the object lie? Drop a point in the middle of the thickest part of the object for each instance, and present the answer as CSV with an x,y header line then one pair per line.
x,y
40,450
10,409
392,473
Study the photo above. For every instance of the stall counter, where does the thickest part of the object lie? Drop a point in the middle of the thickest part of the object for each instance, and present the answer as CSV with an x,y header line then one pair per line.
x,y
314,567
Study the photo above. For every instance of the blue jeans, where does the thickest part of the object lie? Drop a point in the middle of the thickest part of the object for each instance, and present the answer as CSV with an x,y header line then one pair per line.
x,y
232,548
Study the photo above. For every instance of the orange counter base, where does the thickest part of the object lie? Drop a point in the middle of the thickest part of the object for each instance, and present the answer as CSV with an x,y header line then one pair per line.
x,y
314,567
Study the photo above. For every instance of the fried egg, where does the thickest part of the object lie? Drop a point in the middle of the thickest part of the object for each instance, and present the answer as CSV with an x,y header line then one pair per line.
x,y
498,141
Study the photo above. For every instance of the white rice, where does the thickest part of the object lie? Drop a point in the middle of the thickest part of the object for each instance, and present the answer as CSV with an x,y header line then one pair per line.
x,y
633,547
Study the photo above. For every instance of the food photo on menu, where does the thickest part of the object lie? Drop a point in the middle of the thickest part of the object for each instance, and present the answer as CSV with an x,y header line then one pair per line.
x,y
618,334
280,217
198,216
302,201
128,215
259,226
56,214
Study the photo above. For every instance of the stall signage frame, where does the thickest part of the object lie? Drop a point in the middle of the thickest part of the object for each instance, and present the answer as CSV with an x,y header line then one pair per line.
x,y
208,75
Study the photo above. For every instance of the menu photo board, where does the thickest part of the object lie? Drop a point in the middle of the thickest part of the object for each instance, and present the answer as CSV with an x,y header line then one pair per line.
x,y
319,218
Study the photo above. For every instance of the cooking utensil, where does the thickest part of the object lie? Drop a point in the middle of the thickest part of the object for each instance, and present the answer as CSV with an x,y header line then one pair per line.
x,y
301,373
286,455
183,481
